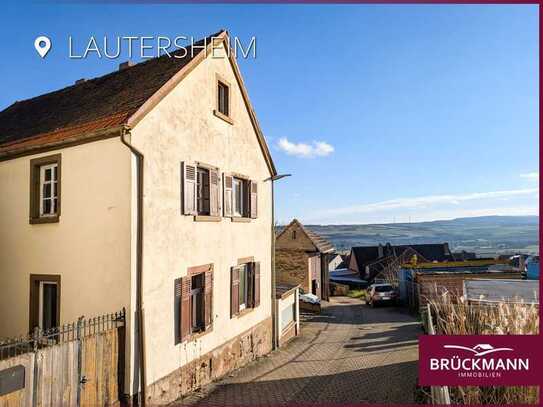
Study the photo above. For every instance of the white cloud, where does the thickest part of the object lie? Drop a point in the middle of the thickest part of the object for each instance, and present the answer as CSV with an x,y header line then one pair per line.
x,y
304,150
530,175
431,207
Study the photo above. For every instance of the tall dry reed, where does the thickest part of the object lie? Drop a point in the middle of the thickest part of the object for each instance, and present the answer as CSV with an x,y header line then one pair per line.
x,y
454,315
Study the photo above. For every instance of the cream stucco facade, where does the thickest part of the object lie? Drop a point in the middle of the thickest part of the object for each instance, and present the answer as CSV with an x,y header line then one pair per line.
x,y
182,127
89,248
93,246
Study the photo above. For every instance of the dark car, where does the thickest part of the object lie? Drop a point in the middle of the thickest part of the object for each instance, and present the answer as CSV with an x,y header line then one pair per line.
x,y
381,294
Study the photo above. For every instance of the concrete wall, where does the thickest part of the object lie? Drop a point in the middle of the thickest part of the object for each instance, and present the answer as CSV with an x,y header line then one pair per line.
x,y
182,127
89,247
293,329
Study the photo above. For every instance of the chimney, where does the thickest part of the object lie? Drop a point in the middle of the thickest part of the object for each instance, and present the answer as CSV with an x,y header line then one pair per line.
x,y
124,65
77,82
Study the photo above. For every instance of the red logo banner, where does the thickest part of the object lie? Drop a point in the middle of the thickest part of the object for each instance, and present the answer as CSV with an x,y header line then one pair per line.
x,y
479,360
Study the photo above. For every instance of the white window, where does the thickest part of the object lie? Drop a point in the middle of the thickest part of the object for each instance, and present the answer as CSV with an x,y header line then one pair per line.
x,y
48,190
239,194
243,287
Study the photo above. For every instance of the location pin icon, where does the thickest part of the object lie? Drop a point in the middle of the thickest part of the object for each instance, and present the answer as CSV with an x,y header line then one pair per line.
x,y
42,45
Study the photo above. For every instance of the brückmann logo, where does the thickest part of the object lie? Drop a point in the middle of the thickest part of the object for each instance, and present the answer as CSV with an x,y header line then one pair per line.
x,y
480,349
481,360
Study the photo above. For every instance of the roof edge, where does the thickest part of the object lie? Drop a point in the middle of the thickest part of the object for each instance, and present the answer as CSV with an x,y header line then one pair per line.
x,y
79,138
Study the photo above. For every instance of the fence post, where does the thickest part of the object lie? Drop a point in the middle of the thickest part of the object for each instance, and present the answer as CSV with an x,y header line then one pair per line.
x,y
35,343
79,359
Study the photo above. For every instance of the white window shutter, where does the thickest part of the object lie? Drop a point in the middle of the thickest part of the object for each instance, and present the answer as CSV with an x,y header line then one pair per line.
x,y
228,195
214,197
189,188
254,199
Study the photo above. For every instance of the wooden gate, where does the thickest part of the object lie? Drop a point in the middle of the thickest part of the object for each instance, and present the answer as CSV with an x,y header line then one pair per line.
x,y
77,365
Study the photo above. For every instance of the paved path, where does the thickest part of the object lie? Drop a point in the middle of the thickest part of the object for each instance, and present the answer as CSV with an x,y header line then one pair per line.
x,y
350,353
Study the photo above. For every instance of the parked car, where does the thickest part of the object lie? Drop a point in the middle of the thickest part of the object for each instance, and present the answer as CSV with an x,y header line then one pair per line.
x,y
381,294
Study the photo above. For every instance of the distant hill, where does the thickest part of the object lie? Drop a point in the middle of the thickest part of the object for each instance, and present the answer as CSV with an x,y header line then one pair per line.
x,y
483,235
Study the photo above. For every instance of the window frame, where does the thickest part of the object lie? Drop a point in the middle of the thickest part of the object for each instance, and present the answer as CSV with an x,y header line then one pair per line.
x,y
36,298
205,272
249,302
227,117
37,171
201,189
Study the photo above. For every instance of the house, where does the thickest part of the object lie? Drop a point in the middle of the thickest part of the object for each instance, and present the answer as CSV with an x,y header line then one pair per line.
x,y
301,257
337,261
369,261
147,188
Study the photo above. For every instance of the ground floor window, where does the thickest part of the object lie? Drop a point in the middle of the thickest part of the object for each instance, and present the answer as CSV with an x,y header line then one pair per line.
x,y
245,287
44,301
193,302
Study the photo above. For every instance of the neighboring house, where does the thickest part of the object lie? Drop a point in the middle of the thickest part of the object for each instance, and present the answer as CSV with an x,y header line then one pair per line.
x,y
147,188
301,258
369,261
337,262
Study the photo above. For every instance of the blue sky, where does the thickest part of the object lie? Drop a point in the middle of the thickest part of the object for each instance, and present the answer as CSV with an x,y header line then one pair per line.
x,y
382,113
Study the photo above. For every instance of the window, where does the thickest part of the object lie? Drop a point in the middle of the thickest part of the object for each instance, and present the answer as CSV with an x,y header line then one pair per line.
x,y
223,98
293,235
200,194
239,197
44,301
45,181
245,287
223,105
48,189
197,303
193,302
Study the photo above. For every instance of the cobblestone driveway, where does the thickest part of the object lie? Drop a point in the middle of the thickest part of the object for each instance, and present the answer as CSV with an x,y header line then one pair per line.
x,y
350,353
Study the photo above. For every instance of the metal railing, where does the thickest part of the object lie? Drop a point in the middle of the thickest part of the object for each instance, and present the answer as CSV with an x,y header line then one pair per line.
x,y
39,338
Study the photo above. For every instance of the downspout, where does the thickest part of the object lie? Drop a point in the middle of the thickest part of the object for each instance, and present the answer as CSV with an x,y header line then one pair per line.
x,y
274,311
139,261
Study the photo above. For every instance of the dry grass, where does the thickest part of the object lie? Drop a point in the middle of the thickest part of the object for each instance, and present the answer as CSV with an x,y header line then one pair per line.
x,y
455,316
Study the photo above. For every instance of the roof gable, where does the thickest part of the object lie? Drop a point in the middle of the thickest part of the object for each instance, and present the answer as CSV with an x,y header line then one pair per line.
x,y
318,242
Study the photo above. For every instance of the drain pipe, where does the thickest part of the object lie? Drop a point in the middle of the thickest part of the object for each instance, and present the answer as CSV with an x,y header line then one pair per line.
x,y
139,262
275,328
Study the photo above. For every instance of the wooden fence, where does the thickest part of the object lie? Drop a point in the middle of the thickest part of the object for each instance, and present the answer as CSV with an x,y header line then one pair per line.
x,y
86,370
439,394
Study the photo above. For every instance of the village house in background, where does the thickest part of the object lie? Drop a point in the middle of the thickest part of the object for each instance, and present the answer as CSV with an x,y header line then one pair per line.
x,y
338,261
369,261
301,258
146,189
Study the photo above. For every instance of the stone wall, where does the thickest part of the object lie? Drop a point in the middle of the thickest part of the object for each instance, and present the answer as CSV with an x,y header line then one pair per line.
x,y
292,268
211,366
